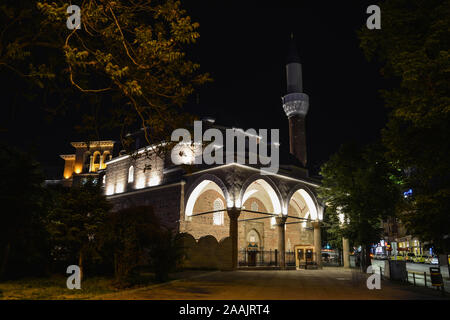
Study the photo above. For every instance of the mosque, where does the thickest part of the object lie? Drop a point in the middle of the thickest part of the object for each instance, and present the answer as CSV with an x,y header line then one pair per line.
x,y
229,215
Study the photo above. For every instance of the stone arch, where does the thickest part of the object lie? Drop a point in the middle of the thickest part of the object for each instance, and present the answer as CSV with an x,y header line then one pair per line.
x,y
268,185
197,188
104,159
188,246
309,198
186,239
253,232
96,157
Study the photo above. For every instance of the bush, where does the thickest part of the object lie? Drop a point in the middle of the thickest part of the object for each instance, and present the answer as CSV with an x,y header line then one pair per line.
x,y
133,238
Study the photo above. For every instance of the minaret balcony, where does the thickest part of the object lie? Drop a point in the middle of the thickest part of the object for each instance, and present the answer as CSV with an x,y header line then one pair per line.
x,y
295,104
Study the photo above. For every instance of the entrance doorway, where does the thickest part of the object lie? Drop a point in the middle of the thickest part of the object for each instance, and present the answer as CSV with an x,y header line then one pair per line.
x,y
252,258
253,242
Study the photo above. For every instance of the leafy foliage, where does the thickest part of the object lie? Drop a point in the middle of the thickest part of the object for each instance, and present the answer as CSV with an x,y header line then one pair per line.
x,y
359,192
413,46
74,222
136,239
126,68
136,50
23,244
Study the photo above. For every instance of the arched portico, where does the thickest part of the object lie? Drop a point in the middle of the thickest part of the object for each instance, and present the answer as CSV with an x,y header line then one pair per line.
x,y
262,205
274,206
301,194
205,208
302,203
201,185
263,188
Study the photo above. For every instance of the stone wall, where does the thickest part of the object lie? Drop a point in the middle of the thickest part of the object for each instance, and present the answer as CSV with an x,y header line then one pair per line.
x,y
164,200
206,253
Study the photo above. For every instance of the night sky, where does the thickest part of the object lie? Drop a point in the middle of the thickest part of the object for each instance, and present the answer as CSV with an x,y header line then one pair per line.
x,y
243,45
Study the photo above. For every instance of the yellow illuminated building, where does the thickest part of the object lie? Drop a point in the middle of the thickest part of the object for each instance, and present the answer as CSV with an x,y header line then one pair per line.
x,y
88,159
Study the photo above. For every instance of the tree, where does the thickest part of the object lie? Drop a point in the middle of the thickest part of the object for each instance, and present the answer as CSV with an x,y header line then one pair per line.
x,y
357,184
135,238
128,64
166,252
23,242
74,222
413,48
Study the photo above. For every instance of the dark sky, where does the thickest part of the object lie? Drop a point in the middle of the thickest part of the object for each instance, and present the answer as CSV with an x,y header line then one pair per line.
x,y
243,45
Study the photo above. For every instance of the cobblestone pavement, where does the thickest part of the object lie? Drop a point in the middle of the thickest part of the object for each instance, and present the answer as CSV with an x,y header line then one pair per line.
x,y
328,283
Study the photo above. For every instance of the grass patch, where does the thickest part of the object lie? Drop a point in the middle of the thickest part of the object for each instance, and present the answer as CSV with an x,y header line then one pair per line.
x,y
54,288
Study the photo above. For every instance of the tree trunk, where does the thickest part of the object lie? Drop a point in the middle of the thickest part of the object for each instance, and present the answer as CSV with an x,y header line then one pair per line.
x,y
80,264
365,258
362,260
5,259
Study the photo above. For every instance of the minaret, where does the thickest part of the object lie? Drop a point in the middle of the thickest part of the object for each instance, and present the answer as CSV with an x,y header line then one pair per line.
x,y
295,104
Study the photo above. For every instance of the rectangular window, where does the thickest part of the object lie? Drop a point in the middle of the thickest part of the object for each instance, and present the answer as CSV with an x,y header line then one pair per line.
x,y
218,218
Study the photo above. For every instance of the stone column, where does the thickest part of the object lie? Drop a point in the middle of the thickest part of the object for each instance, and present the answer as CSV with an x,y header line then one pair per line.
x,y
317,243
281,223
345,252
101,161
233,214
182,208
91,164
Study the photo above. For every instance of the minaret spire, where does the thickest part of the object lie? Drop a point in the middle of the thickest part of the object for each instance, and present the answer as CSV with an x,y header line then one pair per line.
x,y
295,103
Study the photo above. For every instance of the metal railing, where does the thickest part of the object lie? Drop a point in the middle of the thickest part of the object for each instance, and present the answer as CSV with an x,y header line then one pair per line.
x,y
264,258
423,279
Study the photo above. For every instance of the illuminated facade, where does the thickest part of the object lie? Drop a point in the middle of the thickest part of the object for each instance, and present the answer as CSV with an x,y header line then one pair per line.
x,y
395,232
231,206
88,160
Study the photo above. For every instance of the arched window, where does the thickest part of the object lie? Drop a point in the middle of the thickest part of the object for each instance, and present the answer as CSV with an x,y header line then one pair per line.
x,y
218,216
131,174
97,157
105,157
273,222
95,162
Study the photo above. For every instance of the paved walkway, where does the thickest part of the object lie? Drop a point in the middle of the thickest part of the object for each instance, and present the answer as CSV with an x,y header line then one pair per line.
x,y
328,283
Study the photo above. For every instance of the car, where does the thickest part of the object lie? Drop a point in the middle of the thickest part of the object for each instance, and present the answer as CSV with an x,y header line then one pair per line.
x,y
422,258
410,257
434,260
398,257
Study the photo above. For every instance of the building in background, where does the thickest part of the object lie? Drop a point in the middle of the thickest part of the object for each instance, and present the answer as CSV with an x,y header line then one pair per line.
x,y
397,239
88,161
